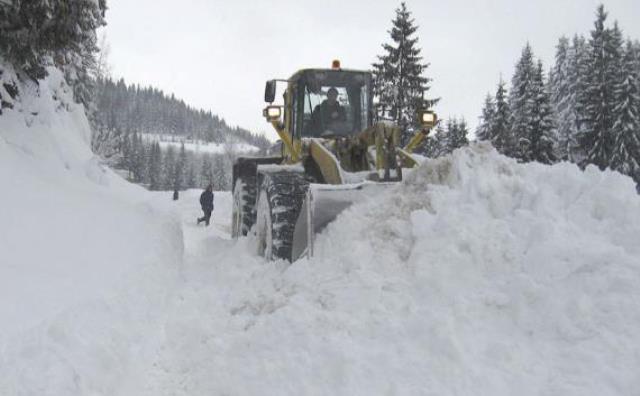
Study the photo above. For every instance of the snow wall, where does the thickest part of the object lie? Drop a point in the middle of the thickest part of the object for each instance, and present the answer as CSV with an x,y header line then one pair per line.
x,y
86,266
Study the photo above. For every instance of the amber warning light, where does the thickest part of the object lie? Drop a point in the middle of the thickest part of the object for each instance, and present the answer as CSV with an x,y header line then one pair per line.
x,y
335,64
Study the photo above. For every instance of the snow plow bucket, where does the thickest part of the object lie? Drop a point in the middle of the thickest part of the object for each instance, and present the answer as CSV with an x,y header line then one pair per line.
x,y
322,204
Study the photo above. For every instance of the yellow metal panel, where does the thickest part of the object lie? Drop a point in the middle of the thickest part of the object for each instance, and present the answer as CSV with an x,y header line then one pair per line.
x,y
416,140
407,159
327,163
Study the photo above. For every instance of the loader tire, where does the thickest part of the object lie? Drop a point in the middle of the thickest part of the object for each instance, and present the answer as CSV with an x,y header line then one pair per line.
x,y
280,198
243,213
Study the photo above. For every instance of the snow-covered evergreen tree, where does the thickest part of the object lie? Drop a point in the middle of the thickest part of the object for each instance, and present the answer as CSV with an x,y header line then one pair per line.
x,y
501,127
431,145
453,136
140,158
569,100
154,167
560,90
437,142
191,181
458,135
206,171
603,72
521,102
179,173
538,144
39,33
483,132
220,173
108,143
169,162
626,126
399,81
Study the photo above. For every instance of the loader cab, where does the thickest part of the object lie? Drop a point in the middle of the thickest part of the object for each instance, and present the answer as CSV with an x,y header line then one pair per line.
x,y
311,115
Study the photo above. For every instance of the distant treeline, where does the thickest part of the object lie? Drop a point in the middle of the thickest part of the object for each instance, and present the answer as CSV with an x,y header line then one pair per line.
x,y
125,113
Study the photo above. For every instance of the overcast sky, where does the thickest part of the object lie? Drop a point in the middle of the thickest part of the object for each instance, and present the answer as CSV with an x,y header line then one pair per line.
x,y
217,54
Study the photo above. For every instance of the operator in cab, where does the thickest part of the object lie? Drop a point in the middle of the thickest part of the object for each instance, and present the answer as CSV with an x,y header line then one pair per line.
x,y
327,113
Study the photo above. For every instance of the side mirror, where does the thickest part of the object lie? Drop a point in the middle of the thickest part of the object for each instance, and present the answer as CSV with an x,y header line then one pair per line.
x,y
427,118
272,113
270,91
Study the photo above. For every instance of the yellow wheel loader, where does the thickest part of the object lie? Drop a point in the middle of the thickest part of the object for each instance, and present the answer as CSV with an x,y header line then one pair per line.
x,y
331,153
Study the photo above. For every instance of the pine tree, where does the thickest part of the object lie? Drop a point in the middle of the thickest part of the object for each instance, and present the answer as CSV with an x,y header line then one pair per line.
x,y
501,126
180,169
560,89
602,74
169,165
521,102
220,173
139,157
125,160
191,175
155,167
440,141
626,127
206,171
453,136
539,144
399,82
458,135
431,145
108,144
483,131
571,110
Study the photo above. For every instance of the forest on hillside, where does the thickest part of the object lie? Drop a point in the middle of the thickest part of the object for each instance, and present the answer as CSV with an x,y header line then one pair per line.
x,y
128,121
128,108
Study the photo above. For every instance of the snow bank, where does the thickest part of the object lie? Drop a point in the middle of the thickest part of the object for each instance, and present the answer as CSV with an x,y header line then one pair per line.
x,y
477,276
86,265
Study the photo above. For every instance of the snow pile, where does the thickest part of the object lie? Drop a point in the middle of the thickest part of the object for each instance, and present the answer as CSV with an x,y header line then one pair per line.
x,y
86,266
477,276
501,278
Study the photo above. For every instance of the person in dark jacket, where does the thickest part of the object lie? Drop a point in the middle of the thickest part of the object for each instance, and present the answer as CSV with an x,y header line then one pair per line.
x,y
206,202
327,112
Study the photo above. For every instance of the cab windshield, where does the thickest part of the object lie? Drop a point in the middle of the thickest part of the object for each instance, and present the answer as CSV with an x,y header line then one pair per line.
x,y
334,103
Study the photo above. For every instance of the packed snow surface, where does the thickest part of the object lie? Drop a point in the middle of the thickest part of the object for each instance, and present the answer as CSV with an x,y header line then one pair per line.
x,y
476,276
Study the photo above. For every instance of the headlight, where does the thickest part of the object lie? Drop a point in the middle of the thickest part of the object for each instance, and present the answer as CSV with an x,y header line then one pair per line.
x,y
272,113
427,118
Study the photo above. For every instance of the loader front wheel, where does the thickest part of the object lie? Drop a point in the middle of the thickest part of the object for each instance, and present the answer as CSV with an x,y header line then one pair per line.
x,y
242,212
280,198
